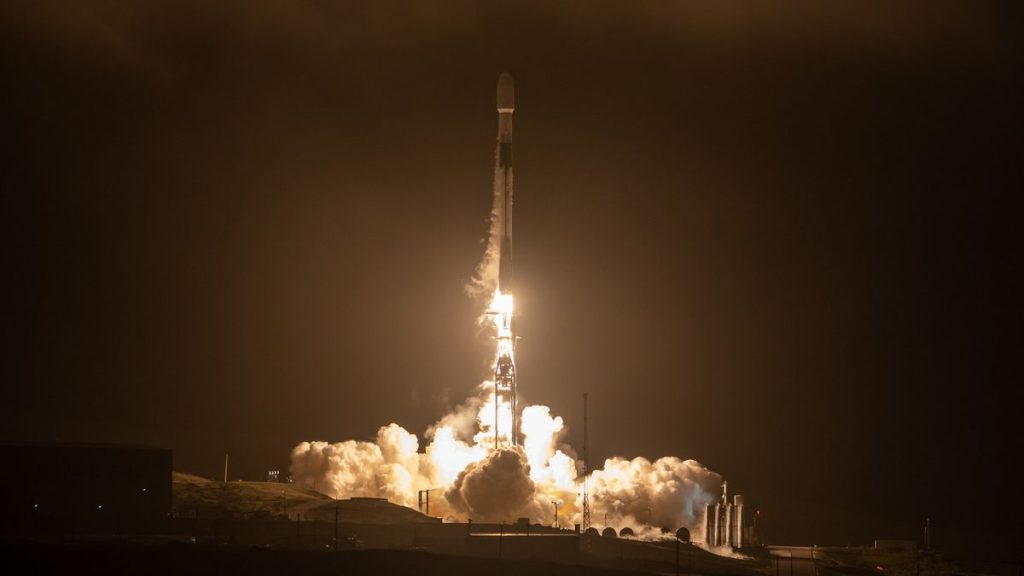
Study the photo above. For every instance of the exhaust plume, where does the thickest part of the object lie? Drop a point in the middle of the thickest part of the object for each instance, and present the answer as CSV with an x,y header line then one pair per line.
x,y
485,277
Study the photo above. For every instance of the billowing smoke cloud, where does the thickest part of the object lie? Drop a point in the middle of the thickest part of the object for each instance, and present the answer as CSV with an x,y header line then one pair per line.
x,y
497,488
387,468
666,493
484,484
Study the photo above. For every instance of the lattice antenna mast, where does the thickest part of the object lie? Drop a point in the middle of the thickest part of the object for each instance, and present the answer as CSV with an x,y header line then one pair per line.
x,y
586,497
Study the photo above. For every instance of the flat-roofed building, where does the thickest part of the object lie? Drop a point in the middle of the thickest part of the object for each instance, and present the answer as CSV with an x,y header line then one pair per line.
x,y
84,488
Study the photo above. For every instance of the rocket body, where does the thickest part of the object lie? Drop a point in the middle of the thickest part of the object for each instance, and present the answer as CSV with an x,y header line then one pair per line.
x,y
504,365
503,177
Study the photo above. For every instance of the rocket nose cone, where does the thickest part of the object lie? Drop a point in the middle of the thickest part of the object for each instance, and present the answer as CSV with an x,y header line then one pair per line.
x,y
506,93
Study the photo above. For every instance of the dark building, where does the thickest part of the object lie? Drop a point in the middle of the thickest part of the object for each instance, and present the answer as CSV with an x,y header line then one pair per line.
x,y
84,488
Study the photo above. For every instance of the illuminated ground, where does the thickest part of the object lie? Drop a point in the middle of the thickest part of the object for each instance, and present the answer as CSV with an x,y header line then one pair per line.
x,y
278,501
238,499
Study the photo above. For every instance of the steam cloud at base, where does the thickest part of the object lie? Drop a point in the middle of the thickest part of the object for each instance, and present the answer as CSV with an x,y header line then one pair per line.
x,y
476,481
499,486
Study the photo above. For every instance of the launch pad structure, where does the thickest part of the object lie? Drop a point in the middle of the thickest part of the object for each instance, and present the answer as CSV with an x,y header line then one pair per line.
x,y
586,495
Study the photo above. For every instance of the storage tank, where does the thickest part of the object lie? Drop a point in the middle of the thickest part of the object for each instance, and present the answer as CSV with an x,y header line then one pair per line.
x,y
726,538
738,524
709,524
717,532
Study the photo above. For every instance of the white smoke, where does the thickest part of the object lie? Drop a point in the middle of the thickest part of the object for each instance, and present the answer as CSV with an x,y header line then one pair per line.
x,y
387,468
484,484
667,493
497,488
485,278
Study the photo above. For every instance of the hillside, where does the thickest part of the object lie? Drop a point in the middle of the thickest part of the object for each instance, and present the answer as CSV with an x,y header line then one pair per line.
x,y
267,500
211,498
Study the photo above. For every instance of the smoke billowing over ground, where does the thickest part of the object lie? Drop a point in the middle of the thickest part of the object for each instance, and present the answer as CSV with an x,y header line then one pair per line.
x,y
483,477
485,484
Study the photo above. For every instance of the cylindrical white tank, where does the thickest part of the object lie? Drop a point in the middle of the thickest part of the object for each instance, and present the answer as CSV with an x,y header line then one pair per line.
x,y
717,532
728,536
738,523
709,525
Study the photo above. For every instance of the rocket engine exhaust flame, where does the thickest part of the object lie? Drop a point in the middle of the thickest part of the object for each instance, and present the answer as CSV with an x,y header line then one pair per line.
x,y
492,461
505,424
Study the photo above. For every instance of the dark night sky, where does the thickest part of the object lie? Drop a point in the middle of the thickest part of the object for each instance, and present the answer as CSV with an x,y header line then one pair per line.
x,y
776,239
